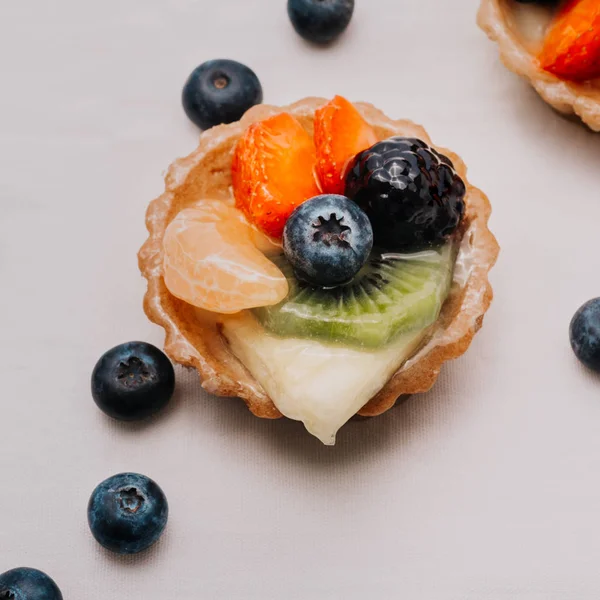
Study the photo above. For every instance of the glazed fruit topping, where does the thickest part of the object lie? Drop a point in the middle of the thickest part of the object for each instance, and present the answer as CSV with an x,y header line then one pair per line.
x,y
127,513
349,271
214,260
410,192
340,134
392,294
572,46
327,240
320,21
274,172
220,91
133,381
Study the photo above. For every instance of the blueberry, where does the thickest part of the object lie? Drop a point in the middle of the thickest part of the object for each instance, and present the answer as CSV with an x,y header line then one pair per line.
x,y
28,584
327,240
127,513
585,334
133,381
320,21
220,91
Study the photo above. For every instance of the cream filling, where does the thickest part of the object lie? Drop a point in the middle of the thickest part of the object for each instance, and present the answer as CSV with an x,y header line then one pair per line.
x,y
319,384
324,385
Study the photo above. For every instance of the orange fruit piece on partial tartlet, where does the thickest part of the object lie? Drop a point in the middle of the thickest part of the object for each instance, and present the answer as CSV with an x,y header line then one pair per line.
x,y
274,171
213,260
340,134
572,46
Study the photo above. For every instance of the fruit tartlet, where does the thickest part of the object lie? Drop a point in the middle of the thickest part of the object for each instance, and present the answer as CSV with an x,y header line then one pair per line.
x,y
318,260
555,44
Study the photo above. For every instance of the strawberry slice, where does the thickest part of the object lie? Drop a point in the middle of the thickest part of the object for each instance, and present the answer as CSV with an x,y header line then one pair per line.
x,y
274,171
340,134
572,46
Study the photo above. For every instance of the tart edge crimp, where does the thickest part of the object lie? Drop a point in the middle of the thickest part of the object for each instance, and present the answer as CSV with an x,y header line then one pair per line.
x,y
567,97
193,343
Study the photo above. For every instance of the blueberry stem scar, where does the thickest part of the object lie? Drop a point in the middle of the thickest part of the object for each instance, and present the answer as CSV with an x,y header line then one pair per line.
x,y
130,500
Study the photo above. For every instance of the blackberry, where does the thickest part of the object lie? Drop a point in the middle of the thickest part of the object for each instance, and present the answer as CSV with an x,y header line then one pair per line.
x,y
410,192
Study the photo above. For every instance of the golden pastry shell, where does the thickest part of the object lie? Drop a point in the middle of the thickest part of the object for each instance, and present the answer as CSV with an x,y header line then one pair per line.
x,y
195,341
496,18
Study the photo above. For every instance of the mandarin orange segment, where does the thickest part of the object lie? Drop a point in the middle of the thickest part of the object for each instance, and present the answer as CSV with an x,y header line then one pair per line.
x,y
211,261
572,46
274,171
340,134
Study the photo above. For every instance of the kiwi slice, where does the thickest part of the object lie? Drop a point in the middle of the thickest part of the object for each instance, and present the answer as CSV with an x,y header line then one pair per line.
x,y
392,294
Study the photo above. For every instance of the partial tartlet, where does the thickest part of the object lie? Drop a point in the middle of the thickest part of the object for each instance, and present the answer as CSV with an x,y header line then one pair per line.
x,y
202,340
519,30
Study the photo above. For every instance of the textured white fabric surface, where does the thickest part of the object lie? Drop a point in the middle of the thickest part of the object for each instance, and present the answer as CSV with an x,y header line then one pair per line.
x,y
487,488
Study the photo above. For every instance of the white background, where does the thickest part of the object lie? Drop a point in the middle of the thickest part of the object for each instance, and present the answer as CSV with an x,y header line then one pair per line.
x,y
486,488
